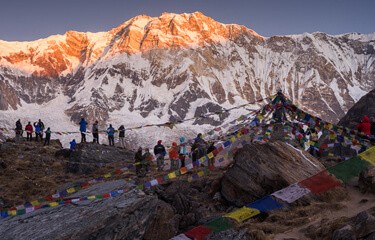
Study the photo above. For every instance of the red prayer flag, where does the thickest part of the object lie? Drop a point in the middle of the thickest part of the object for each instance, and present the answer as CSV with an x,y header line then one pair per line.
x,y
320,182
198,233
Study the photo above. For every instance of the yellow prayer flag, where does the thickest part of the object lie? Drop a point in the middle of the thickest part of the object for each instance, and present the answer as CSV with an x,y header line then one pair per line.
x,y
200,173
368,155
12,213
91,197
243,214
70,190
239,134
35,203
232,139
108,175
172,175
53,204
202,159
210,155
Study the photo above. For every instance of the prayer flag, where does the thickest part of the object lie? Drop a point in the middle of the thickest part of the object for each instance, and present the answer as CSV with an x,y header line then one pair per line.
x,y
291,193
242,214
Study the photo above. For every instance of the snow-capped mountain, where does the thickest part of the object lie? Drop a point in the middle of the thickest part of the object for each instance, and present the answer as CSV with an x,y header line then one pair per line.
x,y
176,66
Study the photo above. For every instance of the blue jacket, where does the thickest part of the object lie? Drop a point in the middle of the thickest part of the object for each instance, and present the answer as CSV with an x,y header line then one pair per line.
x,y
110,131
73,144
182,149
37,128
82,125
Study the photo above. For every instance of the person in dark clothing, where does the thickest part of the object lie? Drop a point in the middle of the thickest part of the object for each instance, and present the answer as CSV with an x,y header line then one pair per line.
x,y
111,135
82,129
29,131
18,130
279,103
41,125
138,160
160,152
201,146
73,144
121,135
48,137
95,132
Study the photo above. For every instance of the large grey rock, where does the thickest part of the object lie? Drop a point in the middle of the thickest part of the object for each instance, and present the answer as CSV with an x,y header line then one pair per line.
x,y
89,156
132,215
366,180
344,233
261,169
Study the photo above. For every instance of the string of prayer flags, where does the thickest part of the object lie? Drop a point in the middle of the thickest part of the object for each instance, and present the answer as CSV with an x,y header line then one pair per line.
x,y
320,182
265,204
291,193
348,169
242,214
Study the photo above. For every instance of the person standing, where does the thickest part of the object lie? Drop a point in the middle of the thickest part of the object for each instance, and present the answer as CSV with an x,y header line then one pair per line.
x,y
82,129
364,126
18,130
159,151
182,151
95,132
121,135
29,132
111,135
48,137
37,131
173,156
41,125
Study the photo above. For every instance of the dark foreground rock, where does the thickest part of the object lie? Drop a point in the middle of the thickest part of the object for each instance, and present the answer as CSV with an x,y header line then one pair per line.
x,y
261,169
132,215
89,156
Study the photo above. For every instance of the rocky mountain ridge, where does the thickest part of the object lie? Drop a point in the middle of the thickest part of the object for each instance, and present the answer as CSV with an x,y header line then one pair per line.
x,y
176,66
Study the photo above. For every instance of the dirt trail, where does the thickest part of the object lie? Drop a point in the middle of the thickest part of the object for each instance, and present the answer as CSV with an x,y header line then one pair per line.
x,y
353,206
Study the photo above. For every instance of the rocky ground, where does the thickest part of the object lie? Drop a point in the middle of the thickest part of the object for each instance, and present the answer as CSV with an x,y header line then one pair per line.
x,y
29,171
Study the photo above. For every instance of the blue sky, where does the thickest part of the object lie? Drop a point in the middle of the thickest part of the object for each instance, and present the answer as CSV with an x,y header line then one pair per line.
x,y
22,20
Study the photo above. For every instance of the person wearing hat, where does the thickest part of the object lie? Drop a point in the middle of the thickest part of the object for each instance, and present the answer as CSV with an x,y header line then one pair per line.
x,y
159,151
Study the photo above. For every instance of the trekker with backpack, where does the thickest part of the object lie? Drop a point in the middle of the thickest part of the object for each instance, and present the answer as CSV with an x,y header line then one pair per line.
x,y
37,131
159,151
48,137
82,129
95,132
111,135
121,135
18,130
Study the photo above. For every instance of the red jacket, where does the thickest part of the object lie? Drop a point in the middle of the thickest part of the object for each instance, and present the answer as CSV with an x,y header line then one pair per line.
x,y
173,151
29,128
365,126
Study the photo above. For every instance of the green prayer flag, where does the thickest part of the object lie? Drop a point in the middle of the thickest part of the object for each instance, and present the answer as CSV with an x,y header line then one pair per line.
x,y
348,169
219,224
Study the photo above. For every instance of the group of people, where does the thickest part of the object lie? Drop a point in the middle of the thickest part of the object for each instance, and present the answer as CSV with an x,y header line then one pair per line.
x,y
177,154
29,129
95,133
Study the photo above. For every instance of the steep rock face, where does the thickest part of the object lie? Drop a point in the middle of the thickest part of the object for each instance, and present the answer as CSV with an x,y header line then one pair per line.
x,y
261,169
169,65
365,106
131,215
